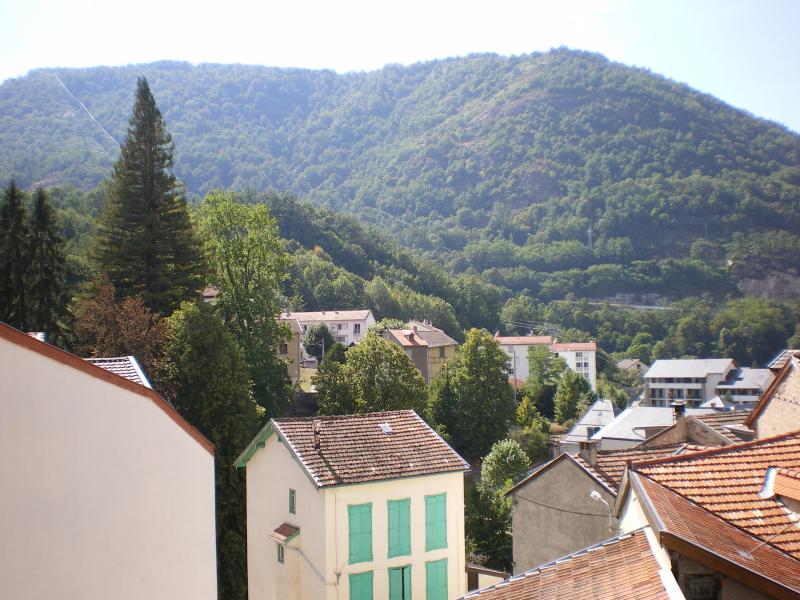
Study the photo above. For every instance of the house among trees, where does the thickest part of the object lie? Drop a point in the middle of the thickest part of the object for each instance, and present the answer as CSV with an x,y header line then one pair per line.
x,y
580,356
429,348
289,351
108,492
354,507
347,326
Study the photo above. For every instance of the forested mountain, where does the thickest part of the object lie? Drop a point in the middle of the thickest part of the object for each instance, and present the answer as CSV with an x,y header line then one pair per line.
x,y
555,173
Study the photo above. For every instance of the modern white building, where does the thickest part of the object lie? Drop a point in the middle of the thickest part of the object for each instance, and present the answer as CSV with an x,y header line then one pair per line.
x,y
704,381
347,326
355,507
599,414
580,357
107,491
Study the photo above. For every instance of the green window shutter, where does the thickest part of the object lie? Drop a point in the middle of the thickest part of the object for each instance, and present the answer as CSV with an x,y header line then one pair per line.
x,y
436,580
436,522
359,518
361,586
399,527
400,583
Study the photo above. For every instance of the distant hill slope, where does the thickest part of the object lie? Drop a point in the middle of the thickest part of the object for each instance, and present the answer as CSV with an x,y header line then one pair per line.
x,y
551,172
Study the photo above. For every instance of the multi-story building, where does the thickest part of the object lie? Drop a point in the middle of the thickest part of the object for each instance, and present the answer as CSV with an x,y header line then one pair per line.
x,y
347,326
107,491
580,356
354,507
701,381
429,348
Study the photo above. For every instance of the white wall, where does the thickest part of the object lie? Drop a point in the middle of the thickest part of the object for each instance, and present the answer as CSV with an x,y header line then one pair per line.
x,y
271,472
104,494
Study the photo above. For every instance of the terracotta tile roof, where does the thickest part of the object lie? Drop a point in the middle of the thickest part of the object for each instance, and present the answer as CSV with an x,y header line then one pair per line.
x,y
574,347
407,338
292,324
719,421
368,447
623,568
611,463
726,482
687,528
787,483
284,533
124,366
782,358
524,340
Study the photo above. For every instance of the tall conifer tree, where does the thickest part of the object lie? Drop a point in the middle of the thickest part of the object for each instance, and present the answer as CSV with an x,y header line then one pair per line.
x,y
145,243
46,269
14,235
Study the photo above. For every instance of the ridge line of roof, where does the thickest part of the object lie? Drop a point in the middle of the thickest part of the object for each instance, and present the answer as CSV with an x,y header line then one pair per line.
x,y
20,338
720,450
336,417
296,454
766,397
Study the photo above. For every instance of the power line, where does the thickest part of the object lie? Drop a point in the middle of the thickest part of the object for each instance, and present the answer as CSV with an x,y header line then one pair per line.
x,y
564,510
86,110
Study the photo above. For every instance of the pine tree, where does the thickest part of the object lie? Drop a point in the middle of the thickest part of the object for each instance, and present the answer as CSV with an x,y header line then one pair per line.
x,y
14,241
146,243
46,270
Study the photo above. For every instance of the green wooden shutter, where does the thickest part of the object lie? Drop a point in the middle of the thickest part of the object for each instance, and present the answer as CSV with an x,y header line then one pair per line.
x,y
436,580
359,518
361,586
436,522
399,527
400,583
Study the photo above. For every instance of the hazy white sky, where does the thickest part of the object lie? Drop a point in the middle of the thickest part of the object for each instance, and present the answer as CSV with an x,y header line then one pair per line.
x,y
746,52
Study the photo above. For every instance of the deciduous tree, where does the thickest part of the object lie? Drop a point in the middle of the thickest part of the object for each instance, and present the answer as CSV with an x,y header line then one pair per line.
x,y
212,390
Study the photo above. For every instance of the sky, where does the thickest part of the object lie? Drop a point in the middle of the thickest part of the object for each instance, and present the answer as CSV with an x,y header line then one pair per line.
x,y
745,52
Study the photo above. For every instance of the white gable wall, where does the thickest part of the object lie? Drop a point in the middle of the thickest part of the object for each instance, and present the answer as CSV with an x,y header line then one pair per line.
x,y
104,494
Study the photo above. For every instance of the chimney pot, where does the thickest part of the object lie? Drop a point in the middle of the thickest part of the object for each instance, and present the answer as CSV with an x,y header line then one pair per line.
x,y
316,426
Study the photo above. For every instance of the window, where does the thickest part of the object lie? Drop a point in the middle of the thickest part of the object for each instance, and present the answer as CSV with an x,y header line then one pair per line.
x,y
435,522
284,349
339,338
292,499
356,327
359,518
442,368
441,352
361,586
436,580
400,583
338,327
399,527
280,553
590,431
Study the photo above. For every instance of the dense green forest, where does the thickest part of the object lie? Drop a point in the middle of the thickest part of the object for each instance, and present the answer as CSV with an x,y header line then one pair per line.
x,y
556,173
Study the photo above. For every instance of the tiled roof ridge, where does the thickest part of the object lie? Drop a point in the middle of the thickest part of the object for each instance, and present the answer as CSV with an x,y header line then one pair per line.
x,y
277,426
757,540
766,397
340,417
593,470
549,565
720,450
788,471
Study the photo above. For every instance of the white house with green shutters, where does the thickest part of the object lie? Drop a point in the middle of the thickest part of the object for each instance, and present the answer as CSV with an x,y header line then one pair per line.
x,y
355,507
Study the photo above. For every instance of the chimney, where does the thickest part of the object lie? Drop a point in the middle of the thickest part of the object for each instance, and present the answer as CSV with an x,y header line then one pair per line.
x,y
316,425
588,451
679,407
414,328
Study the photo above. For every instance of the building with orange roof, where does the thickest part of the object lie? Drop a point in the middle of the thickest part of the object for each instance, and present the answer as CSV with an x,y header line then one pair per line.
x,y
729,533
108,492
630,566
429,348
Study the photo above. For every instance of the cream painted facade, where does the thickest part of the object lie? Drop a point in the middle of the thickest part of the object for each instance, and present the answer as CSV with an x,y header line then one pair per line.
x,y
316,560
106,493
781,411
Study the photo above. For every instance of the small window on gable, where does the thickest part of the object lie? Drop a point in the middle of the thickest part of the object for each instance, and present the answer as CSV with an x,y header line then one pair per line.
x,y
441,352
284,349
292,500
280,553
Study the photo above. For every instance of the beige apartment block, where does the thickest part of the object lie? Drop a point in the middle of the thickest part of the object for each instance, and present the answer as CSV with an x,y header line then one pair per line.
x,y
107,491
